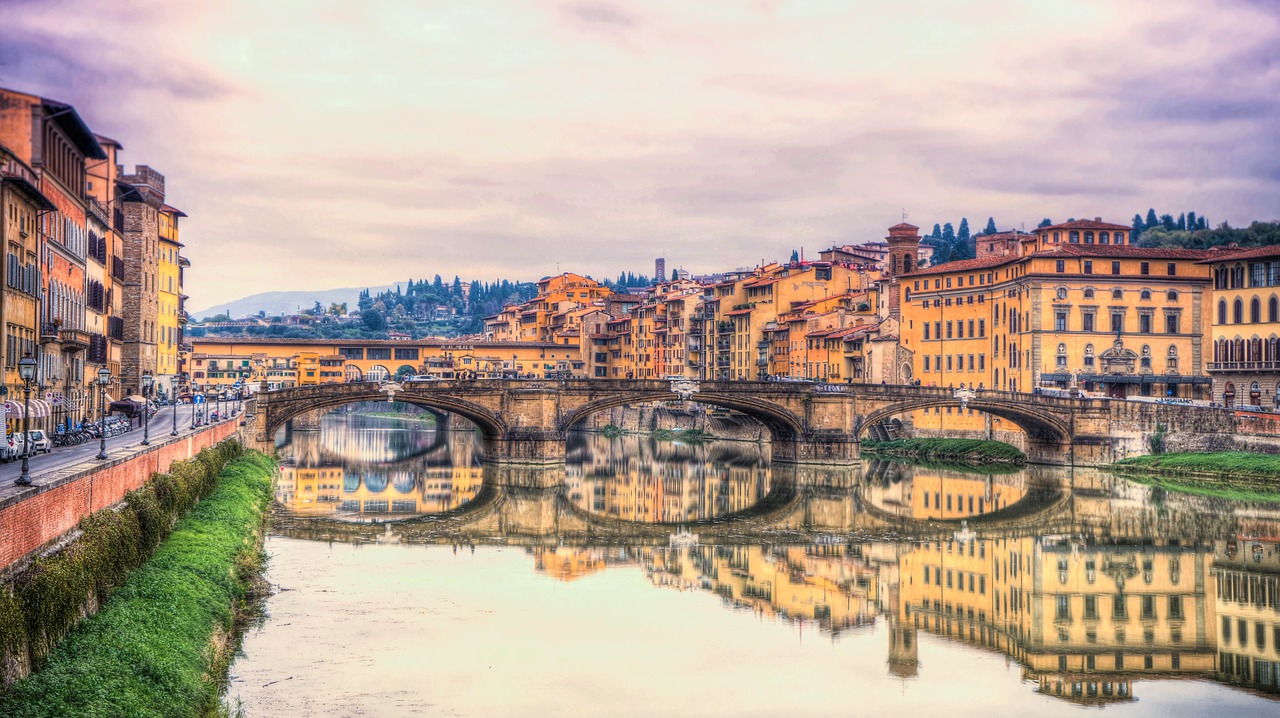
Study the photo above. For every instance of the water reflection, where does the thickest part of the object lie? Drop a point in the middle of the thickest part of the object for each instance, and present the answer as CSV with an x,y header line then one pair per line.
x,y
370,467
636,478
1035,591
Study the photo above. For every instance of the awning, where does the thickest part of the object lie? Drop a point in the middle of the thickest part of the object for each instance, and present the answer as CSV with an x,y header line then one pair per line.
x,y
1056,377
39,408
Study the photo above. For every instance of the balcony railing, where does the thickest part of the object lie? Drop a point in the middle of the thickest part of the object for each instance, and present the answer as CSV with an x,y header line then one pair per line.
x,y
1244,365
48,332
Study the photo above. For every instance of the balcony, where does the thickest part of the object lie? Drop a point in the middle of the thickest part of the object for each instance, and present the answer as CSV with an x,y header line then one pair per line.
x,y
1244,365
75,339
48,332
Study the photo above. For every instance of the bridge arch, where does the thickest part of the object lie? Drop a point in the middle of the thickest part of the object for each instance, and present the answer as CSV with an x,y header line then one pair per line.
x,y
1040,426
783,424
283,405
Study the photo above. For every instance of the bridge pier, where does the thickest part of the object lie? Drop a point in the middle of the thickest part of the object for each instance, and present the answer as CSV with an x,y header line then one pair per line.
x,y
526,446
826,448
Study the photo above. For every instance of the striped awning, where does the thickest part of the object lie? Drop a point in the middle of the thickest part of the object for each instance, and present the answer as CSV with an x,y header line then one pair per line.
x,y
39,408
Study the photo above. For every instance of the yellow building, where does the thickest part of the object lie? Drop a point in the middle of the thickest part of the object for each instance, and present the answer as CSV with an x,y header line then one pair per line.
x,y
169,317
21,203
1245,362
1079,308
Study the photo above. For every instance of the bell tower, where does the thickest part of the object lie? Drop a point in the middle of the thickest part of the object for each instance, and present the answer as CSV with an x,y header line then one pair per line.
x,y
904,247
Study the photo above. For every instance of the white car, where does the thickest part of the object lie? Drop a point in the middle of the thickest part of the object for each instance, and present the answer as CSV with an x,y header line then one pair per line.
x,y
39,442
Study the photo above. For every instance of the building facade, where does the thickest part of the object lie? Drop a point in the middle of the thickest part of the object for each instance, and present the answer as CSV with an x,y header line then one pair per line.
x,y
1245,361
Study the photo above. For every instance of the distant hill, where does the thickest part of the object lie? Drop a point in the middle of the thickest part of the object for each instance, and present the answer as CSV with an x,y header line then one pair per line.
x,y
275,303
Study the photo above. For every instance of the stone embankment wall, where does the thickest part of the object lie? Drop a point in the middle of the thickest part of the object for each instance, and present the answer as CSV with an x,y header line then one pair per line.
x,y
42,514
1016,439
645,419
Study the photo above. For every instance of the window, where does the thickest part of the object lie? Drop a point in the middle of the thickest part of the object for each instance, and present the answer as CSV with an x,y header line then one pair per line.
x,y
1255,310
1237,312
1062,293
1173,358
1172,296
1175,607
1060,321
982,327
1063,608
1090,606
1104,238
926,333
1086,320
1273,309
1062,355
1171,323
926,361
1088,237
1148,606
1145,295
1117,322
1074,237
1115,267
1172,269
1088,266
1222,311
1144,268
1088,355
1088,293
1060,266
1117,294
1117,607
1145,360
1144,323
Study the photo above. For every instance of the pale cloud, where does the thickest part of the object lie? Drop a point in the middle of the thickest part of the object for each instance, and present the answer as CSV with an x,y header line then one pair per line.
x,y
320,144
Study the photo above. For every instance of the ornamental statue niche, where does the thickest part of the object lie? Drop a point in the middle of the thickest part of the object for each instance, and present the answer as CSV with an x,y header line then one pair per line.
x,y
1117,359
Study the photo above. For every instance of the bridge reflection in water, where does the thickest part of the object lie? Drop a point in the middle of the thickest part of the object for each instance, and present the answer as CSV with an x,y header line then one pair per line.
x,y
1090,583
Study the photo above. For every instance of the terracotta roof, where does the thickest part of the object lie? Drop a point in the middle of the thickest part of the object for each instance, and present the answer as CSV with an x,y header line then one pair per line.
x,y
964,265
903,225
1223,254
1086,224
738,312
1122,251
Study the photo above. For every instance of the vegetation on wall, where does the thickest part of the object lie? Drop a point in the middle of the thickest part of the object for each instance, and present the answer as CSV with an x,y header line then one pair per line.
x,y
48,598
159,646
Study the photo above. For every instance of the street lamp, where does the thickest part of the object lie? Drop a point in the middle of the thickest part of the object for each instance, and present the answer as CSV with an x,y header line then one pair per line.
x,y
147,382
104,378
173,394
27,372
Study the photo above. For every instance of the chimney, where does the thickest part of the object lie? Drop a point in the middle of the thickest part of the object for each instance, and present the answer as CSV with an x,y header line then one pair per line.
x,y
1097,219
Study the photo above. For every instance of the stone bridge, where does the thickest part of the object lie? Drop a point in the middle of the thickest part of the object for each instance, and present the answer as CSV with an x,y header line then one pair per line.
x,y
524,421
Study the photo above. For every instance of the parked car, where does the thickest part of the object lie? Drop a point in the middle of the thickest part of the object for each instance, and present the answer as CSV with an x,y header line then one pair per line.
x,y
421,377
19,446
39,442
8,449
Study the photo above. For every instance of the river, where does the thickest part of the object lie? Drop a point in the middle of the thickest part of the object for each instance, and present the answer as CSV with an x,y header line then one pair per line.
x,y
661,578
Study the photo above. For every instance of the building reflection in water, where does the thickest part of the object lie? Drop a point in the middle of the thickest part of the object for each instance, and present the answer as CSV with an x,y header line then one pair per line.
x,y
374,467
1141,586
638,478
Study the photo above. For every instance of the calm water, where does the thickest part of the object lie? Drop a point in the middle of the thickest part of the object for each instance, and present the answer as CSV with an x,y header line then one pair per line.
x,y
667,579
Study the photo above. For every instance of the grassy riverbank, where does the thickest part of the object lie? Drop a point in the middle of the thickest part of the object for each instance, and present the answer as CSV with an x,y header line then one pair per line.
x,y
162,641
963,451
1233,475
422,418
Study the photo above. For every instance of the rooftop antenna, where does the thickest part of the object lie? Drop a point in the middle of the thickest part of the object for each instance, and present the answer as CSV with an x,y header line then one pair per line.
x,y
904,214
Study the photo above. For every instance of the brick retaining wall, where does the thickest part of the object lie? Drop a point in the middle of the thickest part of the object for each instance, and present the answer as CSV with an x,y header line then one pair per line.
x,y
40,515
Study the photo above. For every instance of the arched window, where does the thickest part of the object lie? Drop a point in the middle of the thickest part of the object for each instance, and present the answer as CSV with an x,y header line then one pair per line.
x,y
1088,355
1104,238
1172,296
1255,310
1273,309
1237,350
1074,237
1255,349
1117,294
1088,293
1119,237
1273,349
1088,237
1229,394
1057,237
1173,358
1062,292
1146,294
906,263
1222,311
1237,312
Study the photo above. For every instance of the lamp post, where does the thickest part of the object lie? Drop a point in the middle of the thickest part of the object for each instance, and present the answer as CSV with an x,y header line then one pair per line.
x,y
173,394
27,372
104,378
147,382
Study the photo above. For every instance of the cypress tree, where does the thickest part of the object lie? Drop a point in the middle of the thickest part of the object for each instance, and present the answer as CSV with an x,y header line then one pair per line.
x,y
937,231
963,234
991,226
1152,220
1046,222
1182,222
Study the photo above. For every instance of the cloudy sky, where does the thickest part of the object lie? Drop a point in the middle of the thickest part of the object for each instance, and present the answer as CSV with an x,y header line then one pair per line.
x,y
320,144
